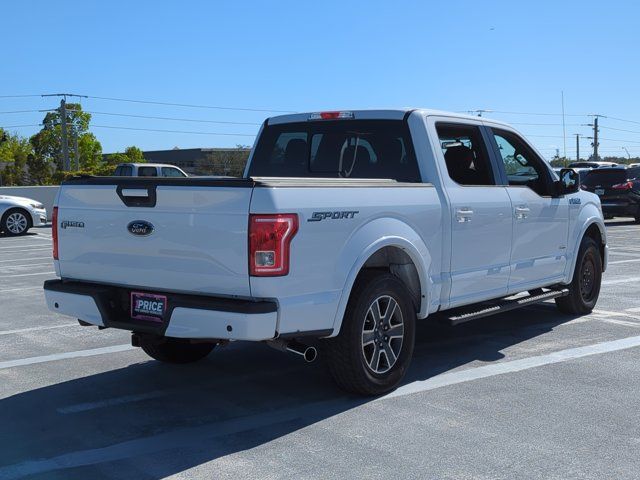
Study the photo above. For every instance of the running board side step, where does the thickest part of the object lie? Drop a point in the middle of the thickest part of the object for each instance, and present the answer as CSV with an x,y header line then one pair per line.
x,y
504,305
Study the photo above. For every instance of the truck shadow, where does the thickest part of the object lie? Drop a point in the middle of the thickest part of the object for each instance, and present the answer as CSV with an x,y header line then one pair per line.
x,y
149,420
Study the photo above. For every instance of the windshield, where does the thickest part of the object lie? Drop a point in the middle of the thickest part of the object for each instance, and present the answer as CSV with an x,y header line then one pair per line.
x,y
336,149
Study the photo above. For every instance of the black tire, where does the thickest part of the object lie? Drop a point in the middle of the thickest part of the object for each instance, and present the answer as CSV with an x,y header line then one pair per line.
x,y
584,289
173,350
15,221
349,359
638,219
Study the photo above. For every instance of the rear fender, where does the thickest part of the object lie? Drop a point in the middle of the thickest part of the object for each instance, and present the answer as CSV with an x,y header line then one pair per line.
x,y
367,241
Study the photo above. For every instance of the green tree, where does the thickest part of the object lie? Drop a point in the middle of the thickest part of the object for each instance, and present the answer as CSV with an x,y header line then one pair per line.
x,y
15,152
131,154
47,143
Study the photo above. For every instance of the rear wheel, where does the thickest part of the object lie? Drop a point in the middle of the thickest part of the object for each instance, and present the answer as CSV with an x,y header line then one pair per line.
x,y
15,222
584,289
373,351
174,350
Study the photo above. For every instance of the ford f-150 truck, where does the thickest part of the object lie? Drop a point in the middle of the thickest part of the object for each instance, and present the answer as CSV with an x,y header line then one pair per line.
x,y
346,229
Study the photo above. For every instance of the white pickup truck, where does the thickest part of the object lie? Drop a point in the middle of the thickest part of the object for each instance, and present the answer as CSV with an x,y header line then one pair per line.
x,y
347,227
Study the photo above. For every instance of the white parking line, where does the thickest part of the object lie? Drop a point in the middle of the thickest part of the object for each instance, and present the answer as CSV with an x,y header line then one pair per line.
x,y
513,366
633,310
26,251
27,265
618,281
631,260
24,247
36,329
22,259
28,274
39,287
64,356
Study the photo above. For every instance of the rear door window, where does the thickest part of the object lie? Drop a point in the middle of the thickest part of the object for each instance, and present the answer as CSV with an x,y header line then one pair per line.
x,y
337,149
123,171
147,172
171,172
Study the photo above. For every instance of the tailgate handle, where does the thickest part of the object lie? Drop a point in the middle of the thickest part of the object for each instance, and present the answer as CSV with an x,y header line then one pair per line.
x,y
143,196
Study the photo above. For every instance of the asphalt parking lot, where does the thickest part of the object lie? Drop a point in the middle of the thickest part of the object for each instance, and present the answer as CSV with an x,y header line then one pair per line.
x,y
527,394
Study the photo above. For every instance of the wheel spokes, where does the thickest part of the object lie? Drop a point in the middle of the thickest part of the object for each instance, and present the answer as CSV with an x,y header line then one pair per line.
x,y
382,334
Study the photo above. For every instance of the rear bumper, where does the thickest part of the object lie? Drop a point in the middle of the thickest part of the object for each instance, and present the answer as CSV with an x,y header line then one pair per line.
x,y
187,316
621,210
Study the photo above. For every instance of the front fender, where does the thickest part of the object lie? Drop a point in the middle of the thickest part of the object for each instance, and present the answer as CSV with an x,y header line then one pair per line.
x,y
589,214
370,238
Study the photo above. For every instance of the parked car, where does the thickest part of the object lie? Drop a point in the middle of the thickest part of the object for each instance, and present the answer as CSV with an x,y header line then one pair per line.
x,y
148,170
633,165
19,214
589,164
618,189
348,227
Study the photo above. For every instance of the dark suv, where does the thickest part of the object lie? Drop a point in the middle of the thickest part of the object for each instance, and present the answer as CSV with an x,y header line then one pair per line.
x,y
618,189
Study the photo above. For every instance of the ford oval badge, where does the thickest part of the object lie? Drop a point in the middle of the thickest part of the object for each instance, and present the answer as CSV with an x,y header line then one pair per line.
x,y
140,228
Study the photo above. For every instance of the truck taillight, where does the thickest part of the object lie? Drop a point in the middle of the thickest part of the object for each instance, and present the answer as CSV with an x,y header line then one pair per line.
x,y
54,232
269,240
623,186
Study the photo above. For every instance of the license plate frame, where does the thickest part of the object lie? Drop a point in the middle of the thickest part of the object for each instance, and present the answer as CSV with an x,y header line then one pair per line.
x,y
149,307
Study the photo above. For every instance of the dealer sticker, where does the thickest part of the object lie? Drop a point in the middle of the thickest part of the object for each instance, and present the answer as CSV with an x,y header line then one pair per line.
x,y
148,306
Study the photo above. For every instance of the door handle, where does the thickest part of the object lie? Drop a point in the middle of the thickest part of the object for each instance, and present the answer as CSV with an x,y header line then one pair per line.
x,y
522,212
463,214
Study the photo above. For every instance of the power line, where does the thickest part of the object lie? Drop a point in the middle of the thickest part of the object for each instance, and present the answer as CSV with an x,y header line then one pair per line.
x,y
18,126
176,131
620,129
18,96
20,111
170,118
188,105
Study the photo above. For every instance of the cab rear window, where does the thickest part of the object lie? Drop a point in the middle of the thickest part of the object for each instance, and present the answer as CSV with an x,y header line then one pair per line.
x,y
336,149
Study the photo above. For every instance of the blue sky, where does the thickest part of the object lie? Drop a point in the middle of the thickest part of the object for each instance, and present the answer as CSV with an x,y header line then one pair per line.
x,y
298,56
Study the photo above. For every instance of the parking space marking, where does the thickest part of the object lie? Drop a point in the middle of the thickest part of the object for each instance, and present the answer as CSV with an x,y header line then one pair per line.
x,y
27,251
22,259
110,402
25,247
64,356
36,329
631,260
621,280
20,289
512,366
633,310
609,313
27,265
28,274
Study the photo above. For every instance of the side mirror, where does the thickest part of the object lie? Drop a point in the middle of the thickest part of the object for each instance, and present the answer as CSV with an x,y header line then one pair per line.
x,y
569,181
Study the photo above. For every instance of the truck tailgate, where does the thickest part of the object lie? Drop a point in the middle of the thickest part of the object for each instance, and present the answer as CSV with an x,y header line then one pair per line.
x,y
191,234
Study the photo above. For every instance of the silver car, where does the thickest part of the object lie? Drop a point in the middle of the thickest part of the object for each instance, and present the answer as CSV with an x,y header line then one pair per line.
x,y
19,214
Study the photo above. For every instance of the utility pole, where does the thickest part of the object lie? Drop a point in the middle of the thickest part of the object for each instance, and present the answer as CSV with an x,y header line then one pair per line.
x,y
63,125
595,138
66,163
76,152
596,131
577,146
